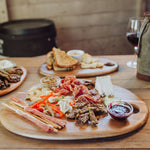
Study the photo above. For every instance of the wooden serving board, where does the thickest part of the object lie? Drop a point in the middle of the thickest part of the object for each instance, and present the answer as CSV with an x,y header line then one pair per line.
x,y
14,86
107,127
78,72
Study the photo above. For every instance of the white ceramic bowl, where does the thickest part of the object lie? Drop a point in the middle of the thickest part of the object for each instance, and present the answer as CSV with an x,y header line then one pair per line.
x,y
77,54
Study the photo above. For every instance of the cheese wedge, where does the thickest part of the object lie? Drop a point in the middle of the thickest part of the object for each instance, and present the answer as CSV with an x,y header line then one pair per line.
x,y
104,86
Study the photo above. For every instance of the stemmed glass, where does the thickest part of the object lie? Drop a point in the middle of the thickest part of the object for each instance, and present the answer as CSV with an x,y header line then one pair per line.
x,y
132,34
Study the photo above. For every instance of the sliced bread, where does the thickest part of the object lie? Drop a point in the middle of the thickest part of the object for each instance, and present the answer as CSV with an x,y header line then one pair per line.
x,y
62,59
49,60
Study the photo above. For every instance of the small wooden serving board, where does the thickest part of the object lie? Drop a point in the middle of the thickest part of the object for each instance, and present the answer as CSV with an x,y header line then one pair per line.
x,y
107,127
78,72
14,86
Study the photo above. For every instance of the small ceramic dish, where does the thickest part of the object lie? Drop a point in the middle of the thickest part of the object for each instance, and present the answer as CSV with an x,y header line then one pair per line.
x,y
77,54
119,110
50,81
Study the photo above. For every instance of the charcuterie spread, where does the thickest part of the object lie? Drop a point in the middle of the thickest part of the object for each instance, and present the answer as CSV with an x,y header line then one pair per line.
x,y
49,107
72,108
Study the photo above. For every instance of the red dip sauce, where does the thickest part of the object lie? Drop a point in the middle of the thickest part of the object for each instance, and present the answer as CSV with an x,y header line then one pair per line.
x,y
120,111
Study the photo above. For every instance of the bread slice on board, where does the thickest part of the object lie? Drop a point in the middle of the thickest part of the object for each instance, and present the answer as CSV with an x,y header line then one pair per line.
x,y
49,60
62,59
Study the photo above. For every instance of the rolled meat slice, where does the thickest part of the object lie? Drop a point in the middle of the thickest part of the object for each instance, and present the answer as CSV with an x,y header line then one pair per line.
x,y
59,122
40,124
19,101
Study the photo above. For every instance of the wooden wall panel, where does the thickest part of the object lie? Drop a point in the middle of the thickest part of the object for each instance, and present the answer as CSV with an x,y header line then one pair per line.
x,y
3,11
96,26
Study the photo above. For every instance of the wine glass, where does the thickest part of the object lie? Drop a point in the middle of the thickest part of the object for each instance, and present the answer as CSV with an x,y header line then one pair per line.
x,y
132,34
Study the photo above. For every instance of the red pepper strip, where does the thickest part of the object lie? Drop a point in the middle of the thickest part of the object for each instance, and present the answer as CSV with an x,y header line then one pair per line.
x,y
72,103
47,96
43,96
54,95
56,109
35,105
42,103
40,109
39,103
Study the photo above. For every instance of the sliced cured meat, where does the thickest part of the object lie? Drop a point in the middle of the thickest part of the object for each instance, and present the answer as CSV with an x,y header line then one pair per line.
x,y
77,82
70,78
40,124
80,90
55,89
67,86
90,99
19,101
86,98
63,92
82,99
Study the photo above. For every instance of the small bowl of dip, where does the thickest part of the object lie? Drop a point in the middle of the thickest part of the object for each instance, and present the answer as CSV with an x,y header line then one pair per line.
x,y
50,81
119,110
77,54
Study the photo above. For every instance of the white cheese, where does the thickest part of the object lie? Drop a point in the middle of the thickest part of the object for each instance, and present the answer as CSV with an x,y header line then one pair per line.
x,y
6,64
104,86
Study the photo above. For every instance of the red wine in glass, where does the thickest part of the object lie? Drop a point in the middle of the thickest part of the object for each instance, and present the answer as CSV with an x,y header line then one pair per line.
x,y
132,34
133,38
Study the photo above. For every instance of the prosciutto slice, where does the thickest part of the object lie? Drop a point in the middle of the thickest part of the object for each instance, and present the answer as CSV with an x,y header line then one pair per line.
x,y
80,90
19,101
45,127
59,122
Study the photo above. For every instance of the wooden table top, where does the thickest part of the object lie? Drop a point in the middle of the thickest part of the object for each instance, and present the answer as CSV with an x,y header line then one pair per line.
x,y
125,77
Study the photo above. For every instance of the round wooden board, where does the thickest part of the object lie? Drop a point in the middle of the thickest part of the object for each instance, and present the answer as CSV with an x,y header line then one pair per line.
x,y
14,86
78,72
107,127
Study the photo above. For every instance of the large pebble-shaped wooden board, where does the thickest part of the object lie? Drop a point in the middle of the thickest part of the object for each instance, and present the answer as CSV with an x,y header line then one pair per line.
x,y
78,72
107,127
